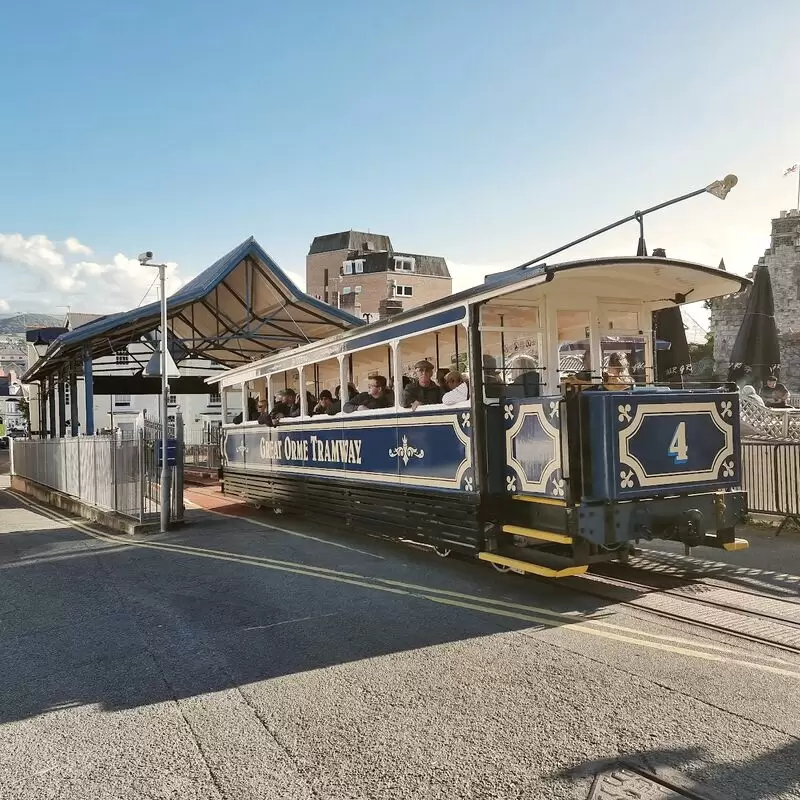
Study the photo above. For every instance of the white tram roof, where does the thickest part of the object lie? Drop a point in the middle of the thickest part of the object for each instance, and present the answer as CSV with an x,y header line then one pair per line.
x,y
651,281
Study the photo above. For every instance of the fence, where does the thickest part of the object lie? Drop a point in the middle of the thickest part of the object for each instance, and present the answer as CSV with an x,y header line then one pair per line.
x,y
771,423
771,478
116,474
201,447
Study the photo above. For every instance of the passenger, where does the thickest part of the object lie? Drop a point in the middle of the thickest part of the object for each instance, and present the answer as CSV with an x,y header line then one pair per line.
x,y
287,405
376,396
458,389
441,376
423,391
616,377
325,404
264,417
252,412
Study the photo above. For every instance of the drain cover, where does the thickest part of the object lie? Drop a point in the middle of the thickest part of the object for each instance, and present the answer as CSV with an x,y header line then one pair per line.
x,y
627,782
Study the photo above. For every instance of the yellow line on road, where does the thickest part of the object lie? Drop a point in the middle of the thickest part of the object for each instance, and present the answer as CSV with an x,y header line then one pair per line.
x,y
570,621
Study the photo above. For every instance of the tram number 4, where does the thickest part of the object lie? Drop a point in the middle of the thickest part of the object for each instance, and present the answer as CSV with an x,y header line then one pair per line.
x,y
678,448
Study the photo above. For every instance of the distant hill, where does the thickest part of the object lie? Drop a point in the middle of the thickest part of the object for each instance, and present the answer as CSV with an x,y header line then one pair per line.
x,y
16,323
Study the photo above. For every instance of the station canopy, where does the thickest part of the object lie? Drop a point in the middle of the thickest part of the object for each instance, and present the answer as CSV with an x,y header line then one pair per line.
x,y
242,308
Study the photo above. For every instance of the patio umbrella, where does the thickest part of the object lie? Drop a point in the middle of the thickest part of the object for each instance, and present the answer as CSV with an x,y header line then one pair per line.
x,y
756,353
675,362
671,364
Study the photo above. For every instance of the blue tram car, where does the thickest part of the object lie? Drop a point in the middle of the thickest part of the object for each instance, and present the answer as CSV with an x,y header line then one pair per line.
x,y
560,451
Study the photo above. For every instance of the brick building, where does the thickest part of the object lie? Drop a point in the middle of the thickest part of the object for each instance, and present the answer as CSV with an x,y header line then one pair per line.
x,y
782,259
363,274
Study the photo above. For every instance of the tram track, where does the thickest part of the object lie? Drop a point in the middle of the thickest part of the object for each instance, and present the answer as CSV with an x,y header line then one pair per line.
x,y
740,613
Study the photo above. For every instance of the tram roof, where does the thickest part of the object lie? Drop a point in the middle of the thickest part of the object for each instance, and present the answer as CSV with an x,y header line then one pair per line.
x,y
658,281
241,307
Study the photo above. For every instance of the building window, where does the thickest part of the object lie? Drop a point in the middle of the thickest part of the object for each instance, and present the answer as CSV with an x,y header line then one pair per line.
x,y
123,358
359,265
214,399
172,400
403,291
403,264
347,267
122,399
357,290
347,289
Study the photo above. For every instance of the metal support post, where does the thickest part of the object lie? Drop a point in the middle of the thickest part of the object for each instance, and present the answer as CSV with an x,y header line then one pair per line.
x,y
74,419
88,392
166,472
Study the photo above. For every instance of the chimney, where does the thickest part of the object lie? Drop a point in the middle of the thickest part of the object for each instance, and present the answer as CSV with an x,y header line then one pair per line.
x,y
390,307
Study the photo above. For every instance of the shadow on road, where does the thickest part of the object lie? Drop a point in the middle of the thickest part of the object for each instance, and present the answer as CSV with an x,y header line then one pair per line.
x,y
222,604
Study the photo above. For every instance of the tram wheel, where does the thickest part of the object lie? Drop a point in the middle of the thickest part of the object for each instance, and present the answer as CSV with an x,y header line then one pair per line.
x,y
442,552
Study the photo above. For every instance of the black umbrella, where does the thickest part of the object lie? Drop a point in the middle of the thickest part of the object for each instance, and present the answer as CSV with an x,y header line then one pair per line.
x,y
756,353
674,363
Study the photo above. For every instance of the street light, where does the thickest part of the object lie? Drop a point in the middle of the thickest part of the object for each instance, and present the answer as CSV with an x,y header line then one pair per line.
x,y
719,189
40,346
166,475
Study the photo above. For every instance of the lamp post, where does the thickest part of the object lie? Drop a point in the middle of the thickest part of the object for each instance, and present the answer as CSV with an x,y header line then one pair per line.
x,y
166,474
719,189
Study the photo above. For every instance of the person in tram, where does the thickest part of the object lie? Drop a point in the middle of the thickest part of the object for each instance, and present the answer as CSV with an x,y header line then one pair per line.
x,y
423,391
264,417
376,396
287,405
458,389
616,377
325,404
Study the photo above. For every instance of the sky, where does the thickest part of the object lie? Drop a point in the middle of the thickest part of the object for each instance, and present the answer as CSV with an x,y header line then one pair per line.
x,y
487,133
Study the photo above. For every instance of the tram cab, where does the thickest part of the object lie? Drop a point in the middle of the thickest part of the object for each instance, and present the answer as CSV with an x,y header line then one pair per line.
x,y
565,453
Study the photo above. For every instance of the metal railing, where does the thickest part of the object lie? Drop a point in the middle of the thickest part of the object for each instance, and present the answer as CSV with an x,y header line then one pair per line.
x,y
113,473
771,478
201,448
102,471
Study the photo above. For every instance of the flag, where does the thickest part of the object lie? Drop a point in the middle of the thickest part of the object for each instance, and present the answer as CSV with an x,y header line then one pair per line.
x,y
791,170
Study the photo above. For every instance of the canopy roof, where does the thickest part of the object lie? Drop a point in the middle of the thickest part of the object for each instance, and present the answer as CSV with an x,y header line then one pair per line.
x,y
242,308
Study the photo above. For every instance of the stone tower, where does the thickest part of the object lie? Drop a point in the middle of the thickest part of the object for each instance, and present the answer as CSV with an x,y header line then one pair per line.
x,y
782,259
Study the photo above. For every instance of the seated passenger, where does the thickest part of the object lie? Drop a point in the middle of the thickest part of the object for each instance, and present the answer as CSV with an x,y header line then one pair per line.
x,y
287,405
749,393
325,404
376,396
775,394
263,414
252,412
616,377
423,391
458,389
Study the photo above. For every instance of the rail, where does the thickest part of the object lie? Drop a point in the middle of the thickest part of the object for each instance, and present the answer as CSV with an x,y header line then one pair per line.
x,y
771,478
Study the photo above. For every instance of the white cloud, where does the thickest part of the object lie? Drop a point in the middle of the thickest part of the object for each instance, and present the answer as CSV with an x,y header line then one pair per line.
x,y
76,247
4,306
36,276
35,251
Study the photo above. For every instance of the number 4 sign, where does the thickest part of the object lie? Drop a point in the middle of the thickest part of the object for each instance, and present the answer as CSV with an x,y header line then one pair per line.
x,y
678,448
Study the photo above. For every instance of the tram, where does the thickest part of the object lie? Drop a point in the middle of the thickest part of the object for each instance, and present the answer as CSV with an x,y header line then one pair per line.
x,y
560,451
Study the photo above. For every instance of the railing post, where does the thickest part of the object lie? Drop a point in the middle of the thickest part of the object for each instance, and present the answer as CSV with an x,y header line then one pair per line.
x,y
179,462
140,439
113,445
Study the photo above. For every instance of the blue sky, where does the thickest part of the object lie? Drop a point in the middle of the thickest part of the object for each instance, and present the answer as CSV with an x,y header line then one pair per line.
x,y
486,133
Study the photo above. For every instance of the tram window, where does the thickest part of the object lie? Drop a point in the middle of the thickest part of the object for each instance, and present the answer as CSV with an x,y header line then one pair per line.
x,y
622,320
369,363
511,347
232,402
574,342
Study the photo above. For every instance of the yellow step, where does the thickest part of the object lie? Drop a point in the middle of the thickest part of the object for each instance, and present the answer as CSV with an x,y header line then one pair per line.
x,y
545,501
534,569
534,533
736,544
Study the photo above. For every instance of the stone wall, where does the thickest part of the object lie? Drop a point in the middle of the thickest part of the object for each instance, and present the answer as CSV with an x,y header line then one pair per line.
x,y
782,259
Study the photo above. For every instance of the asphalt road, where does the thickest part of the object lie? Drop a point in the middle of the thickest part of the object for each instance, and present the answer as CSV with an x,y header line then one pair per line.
x,y
232,660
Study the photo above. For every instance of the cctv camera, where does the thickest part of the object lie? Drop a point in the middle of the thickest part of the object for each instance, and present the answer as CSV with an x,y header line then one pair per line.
x,y
145,257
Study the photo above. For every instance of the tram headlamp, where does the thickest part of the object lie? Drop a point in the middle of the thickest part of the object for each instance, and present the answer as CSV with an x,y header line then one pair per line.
x,y
721,188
